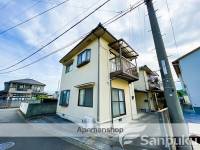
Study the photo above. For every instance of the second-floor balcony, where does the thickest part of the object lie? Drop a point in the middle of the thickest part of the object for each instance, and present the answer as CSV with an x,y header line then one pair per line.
x,y
22,89
154,83
16,90
124,69
154,86
121,65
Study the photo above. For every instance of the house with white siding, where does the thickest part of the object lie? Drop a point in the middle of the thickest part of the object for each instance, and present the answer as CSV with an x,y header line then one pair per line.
x,y
22,89
187,69
149,93
97,79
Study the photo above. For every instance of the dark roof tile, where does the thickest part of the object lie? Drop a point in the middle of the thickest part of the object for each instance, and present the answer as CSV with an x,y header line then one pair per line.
x,y
27,81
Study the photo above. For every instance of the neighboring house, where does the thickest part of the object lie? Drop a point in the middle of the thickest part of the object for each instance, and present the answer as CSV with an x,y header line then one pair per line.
x,y
56,94
148,91
187,69
96,80
22,89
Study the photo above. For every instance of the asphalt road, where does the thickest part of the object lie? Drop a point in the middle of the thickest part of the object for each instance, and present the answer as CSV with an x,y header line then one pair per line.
x,y
31,143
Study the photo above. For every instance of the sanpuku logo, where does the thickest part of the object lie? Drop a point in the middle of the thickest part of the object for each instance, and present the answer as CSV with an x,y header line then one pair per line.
x,y
145,136
131,134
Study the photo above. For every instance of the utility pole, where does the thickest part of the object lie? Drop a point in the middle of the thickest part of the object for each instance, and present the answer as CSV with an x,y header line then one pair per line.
x,y
173,104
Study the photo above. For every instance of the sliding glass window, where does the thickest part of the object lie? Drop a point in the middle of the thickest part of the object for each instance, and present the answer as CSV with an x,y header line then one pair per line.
x,y
118,102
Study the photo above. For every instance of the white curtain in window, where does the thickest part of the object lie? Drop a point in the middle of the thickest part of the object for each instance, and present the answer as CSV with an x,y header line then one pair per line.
x,y
84,56
82,94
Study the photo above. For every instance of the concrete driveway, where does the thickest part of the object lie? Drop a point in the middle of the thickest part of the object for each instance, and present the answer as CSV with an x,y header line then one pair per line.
x,y
29,143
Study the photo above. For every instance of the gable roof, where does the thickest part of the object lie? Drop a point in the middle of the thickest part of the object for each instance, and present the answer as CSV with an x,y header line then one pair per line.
x,y
175,63
99,31
26,81
148,70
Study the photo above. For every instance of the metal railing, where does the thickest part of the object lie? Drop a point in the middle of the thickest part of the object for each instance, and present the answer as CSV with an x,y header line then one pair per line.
x,y
154,85
123,65
153,82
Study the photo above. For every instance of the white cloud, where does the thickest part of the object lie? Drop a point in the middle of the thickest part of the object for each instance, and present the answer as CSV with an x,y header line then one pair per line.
x,y
133,28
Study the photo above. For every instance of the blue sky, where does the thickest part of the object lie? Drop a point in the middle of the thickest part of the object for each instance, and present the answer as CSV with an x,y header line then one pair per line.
x,y
134,28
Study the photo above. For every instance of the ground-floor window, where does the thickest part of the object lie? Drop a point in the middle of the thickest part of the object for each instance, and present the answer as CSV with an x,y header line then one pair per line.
x,y
85,97
118,102
64,98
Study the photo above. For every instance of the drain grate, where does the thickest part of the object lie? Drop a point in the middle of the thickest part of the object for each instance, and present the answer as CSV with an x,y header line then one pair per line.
x,y
7,145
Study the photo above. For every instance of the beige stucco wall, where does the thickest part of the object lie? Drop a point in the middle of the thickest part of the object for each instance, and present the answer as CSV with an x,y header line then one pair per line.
x,y
105,94
142,83
131,111
84,74
140,97
152,101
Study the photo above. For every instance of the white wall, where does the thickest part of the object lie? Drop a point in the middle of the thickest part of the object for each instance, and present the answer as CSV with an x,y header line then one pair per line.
x,y
105,94
24,107
190,70
78,76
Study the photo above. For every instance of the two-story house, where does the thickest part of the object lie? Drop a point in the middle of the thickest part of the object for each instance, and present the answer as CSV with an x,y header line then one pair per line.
x,y
23,89
148,91
187,68
96,80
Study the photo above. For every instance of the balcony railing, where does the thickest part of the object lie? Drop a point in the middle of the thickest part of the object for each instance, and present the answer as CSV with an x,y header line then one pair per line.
x,y
22,89
154,86
154,83
123,68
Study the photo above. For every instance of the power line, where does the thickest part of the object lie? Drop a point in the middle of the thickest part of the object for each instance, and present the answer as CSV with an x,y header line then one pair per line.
x,y
129,23
104,10
105,23
29,7
29,19
50,36
45,56
75,17
58,36
144,29
23,11
129,10
175,42
26,9
5,4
